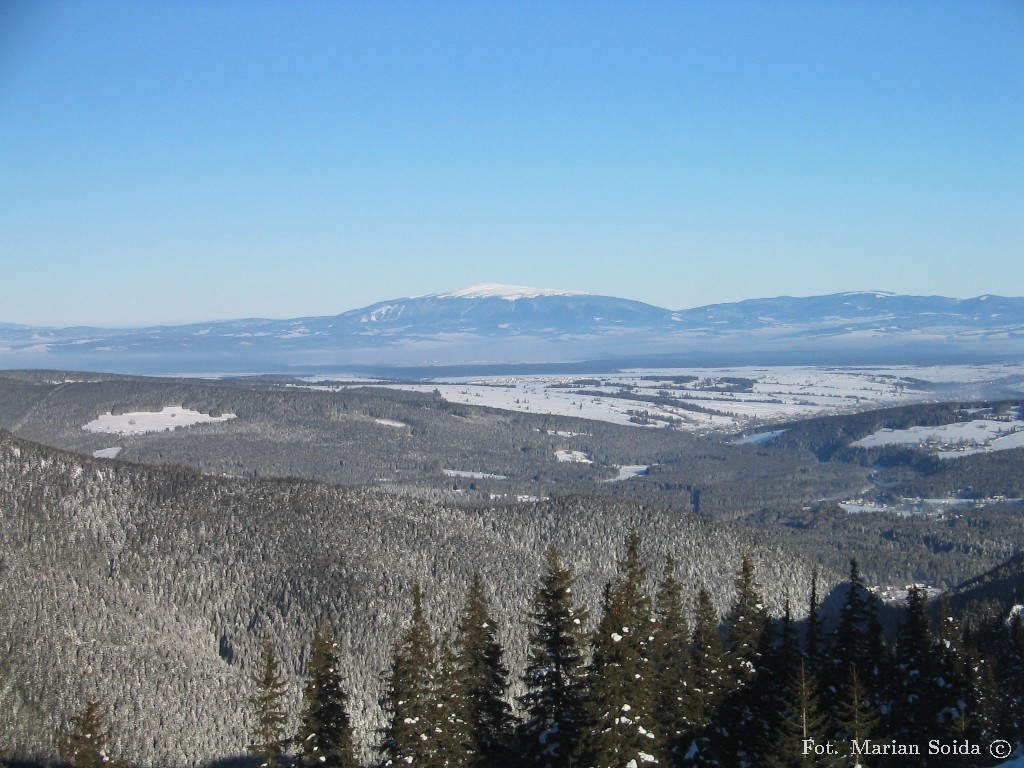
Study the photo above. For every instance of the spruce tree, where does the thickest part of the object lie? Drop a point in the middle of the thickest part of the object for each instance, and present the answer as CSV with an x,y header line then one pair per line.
x,y
268,739
857,719
1000,644
985,709
915,692
410,696
816,652
739,725
857,643
709,674
778,670
803,725
744,624
454,746
957,676
1013,672
480,680
554,670
87,743
670,655
325,730
620,728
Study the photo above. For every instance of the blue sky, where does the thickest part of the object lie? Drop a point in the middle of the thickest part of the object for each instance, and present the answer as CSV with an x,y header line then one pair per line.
x,y
163,162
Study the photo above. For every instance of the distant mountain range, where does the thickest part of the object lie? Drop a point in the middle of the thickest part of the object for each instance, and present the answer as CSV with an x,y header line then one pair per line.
x,y
500,325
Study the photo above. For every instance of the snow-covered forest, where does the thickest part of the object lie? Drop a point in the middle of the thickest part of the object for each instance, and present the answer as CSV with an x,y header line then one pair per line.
x,y
640,680
152,585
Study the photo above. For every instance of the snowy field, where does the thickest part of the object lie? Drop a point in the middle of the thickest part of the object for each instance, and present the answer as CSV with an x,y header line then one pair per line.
x,y
717,399
937,508
573,457
959,439
141,422
630,471
473,475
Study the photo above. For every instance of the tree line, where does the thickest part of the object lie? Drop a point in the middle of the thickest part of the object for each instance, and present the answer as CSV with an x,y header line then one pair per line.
x,y
645,688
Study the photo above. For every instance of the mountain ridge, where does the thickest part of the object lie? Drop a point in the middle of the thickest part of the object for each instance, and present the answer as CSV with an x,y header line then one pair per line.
x,y
508,324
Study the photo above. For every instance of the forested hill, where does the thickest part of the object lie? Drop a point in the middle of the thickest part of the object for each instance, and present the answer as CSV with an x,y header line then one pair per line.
x,y
996,590
150,587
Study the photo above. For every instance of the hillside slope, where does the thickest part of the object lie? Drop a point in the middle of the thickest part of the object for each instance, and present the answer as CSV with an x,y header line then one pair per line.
x,y
148,588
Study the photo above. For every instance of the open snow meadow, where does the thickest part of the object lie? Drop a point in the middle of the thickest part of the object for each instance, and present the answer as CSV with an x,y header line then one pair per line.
x,y
141,422
993,432
724,400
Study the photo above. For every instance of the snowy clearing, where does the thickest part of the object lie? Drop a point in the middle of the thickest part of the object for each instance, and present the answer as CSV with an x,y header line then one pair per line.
x,y
573,457
391,423
931,509
953,440
909,507
473,475
629,471
107,453
141,422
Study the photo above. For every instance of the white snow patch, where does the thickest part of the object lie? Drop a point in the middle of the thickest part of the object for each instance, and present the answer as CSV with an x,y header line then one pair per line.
x,y
507,292
629,471
391,423
574,457
141,422
107,453
953,440
474,475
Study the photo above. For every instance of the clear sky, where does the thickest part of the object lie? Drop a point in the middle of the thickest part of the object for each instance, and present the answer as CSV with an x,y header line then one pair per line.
x,y
163,161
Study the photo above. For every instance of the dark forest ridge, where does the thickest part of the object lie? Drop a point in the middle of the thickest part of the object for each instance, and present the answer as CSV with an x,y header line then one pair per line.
x,y
507,325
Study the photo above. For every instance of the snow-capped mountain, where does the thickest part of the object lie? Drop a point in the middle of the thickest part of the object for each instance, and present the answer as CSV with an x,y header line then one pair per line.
x,y
499,324
502,310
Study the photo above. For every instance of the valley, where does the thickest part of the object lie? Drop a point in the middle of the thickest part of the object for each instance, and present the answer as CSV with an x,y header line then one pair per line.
x,y
160,526
813,455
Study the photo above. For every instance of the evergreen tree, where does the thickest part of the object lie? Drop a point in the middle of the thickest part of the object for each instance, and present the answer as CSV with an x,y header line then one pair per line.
x,y
857,643
268,739
1013,672
816,652
744,624
671,657
739,725
916,695
984,708
857,719
957,676
480,680
87,743
554,671
454,746
410,696
709,674
1000,643
325,730
803,726
772,692
620,685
